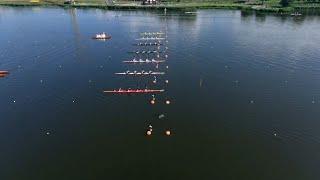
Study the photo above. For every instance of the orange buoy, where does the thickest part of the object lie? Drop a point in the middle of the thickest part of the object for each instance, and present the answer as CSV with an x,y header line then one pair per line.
x,y
149,132
168,133
152,101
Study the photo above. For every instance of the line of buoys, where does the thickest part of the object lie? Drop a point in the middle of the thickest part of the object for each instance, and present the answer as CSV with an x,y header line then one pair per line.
x,y
153,100
167,132
156,52
167,101
155,80
149,131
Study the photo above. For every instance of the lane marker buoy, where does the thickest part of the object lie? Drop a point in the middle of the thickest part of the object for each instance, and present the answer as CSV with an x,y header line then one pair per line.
x,y
168,133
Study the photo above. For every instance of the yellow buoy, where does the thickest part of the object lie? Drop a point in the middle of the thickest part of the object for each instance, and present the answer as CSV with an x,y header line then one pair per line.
x,y
167,102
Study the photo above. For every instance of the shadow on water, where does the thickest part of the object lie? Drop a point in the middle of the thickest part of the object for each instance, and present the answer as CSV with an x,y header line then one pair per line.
x,y
260,17
80,51
247,16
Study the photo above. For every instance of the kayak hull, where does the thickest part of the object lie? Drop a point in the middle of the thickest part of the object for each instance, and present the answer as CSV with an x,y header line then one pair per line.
x,y
137,91
4,72
105,38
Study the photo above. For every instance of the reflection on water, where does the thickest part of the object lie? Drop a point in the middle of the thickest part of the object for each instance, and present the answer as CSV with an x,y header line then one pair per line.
x,y
244,96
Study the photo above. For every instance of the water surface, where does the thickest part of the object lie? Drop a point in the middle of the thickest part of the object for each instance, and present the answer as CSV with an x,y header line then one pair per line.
x,y
244,91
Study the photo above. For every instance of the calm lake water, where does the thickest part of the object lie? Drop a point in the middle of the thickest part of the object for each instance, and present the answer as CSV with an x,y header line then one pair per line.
x,y
244,91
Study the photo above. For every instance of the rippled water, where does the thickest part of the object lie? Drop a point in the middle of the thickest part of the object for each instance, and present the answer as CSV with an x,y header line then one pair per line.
x,y
244,93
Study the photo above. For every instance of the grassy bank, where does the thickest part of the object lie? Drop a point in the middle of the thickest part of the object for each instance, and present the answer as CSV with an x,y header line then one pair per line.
x,y
254,5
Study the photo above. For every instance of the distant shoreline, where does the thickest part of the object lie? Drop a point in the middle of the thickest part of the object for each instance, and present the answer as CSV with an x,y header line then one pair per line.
x,y
170,6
